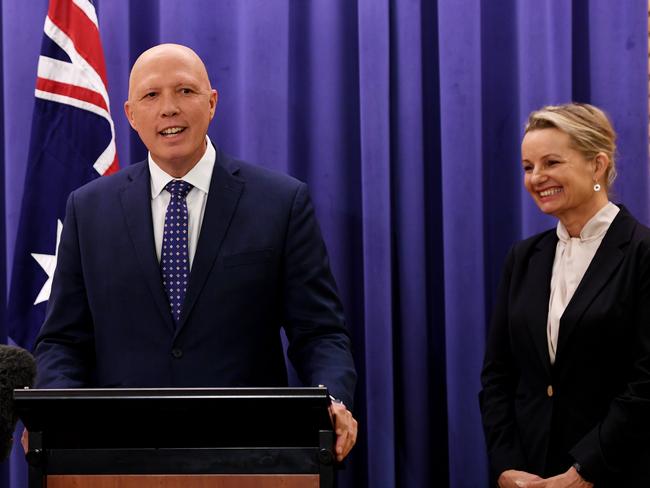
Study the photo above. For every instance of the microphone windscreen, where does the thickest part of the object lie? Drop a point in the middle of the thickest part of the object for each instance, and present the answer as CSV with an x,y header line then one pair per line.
x,y
17,370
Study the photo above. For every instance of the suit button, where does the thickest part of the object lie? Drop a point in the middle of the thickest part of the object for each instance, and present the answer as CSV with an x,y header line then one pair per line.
x,y
549,390
177,353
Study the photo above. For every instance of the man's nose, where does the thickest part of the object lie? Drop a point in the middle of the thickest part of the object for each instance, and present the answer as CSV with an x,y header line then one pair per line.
x,y
169,106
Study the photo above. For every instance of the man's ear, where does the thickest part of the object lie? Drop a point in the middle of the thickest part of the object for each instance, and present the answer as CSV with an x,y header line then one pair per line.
x,y
128,110
214,99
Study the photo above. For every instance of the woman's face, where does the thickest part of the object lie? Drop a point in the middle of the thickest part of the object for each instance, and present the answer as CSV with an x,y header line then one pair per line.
x,y
559,178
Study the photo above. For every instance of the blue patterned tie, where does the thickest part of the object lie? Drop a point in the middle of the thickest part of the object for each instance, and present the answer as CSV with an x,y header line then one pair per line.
x,y
175,260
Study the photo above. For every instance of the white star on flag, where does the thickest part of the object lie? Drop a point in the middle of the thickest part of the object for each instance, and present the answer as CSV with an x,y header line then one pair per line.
x,y
48,263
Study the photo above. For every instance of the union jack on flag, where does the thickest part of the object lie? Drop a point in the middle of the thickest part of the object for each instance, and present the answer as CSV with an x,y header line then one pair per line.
x,y
72,142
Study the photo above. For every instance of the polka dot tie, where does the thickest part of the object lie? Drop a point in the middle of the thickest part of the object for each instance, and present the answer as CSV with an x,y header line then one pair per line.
x,y
174,260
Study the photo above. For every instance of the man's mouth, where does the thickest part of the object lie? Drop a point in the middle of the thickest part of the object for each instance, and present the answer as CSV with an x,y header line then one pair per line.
x,y
171,131
550,192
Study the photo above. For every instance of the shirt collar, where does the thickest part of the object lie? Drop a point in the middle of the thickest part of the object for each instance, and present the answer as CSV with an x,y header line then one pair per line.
x,y
595,228
199,176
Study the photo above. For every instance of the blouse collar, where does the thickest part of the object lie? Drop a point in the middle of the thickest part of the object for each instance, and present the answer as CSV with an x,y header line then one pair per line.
x,y
595,228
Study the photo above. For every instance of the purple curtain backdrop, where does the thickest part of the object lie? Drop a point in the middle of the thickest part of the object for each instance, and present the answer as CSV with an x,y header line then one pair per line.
x,y
405,117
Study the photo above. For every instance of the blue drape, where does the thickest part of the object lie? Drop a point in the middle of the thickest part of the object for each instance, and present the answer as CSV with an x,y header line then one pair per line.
x,y
405,118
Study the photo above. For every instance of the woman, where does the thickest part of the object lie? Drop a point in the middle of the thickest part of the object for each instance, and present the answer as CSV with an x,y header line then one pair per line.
x,y
566,377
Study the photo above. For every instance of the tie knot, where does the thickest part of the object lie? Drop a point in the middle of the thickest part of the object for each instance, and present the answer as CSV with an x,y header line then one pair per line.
x,y
178,188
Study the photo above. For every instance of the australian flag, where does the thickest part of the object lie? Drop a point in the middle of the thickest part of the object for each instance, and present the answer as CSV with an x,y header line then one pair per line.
x,y
72,142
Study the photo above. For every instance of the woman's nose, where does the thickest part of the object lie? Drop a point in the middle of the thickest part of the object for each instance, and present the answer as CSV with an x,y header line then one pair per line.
x,y
537,176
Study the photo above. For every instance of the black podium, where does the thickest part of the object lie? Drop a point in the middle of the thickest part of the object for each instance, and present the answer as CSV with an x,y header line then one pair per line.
x,y
244,437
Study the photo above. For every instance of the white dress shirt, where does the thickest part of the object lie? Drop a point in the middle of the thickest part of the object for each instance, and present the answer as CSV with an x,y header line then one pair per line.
x,y
572,258
199,177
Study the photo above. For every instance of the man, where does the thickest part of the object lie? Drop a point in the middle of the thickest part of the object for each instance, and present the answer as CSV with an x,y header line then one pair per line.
x,y
180,270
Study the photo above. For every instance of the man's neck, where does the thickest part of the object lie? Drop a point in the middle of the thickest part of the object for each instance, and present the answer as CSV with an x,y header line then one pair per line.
x,y
178,168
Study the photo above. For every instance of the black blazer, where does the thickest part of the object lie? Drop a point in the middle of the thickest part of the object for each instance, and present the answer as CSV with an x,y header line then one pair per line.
x,y
260,265
593,405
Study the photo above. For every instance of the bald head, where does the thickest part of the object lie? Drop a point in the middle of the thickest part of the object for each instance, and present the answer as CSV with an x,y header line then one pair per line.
x,y
169,55
170,105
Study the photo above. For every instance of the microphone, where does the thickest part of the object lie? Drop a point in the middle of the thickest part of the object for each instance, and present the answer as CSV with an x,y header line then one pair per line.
x,y
17,370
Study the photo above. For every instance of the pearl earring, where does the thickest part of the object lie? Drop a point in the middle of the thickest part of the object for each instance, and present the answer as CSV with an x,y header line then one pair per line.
x,y
597,187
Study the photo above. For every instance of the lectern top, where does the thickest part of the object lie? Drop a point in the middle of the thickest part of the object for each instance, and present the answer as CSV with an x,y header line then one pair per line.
x,y
175,417
307,393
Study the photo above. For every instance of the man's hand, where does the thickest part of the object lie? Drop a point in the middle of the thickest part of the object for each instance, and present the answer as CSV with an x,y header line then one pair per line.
x,y
345,428
24,440
569,479
516,479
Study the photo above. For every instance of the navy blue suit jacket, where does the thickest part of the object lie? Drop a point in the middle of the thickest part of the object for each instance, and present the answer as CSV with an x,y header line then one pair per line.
x,y
260,264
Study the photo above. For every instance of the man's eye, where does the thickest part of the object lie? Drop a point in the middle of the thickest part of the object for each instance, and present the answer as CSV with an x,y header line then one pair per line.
x,y
186,91
150,95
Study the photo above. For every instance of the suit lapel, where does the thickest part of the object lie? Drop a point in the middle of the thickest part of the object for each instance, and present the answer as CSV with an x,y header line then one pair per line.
x,y
135,196
225,191
536,291
607,259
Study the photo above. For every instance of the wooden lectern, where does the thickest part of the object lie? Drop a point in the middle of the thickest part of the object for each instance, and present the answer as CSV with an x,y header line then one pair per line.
x,y
190,438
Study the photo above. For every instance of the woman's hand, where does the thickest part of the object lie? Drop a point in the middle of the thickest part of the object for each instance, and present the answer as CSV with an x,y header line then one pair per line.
x,y
569,479
516,479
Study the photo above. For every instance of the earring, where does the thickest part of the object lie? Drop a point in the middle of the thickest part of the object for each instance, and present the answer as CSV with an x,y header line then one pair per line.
x,y
597,187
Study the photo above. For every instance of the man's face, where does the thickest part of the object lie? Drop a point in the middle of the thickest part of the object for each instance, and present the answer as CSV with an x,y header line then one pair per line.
x,y
170,106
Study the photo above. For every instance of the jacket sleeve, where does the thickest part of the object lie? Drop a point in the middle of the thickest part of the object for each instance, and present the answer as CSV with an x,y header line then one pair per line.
x,y
499,379
64,348
614,444
319,342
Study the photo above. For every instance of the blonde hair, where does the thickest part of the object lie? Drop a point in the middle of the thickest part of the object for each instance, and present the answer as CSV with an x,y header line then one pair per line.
x,y
589,128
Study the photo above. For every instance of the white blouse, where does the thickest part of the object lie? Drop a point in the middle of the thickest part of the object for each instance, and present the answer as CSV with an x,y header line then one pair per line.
x,y
572,258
